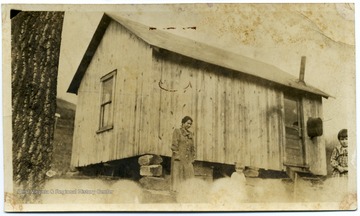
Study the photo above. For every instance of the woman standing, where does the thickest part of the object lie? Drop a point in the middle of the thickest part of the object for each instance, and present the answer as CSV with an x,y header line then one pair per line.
x,y
183,154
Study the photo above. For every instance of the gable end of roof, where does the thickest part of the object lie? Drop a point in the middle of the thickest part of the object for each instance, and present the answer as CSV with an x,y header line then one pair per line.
x,y
193,49
90,51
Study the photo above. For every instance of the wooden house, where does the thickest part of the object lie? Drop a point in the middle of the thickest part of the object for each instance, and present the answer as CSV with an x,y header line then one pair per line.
x,y
135,83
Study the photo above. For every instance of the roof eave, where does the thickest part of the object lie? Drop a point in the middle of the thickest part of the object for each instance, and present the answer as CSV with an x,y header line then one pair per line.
x,y
90,51
160,39
246,62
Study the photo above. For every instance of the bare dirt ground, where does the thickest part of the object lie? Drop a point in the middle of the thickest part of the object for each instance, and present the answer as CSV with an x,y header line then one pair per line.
x,y
62,188
220,192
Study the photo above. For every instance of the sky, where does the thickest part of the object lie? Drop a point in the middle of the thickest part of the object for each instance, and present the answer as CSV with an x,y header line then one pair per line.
x,y
278,34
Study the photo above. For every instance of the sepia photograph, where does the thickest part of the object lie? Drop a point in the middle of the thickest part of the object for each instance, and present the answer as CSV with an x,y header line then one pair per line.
x,y
201,107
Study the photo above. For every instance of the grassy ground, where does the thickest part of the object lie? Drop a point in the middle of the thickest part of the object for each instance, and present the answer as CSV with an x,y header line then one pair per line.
x,y
63,137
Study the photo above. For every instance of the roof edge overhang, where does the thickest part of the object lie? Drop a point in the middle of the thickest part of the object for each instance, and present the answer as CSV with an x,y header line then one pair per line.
x,y
229,60
89,53
159,38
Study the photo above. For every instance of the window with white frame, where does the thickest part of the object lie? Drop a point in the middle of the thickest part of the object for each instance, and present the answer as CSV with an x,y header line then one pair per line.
x,y
107,101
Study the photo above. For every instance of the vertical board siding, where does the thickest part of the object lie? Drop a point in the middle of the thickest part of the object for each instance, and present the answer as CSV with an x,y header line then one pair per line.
x,y
273,112
235,119
217,120
315,154
165,110
239,150
228,117
119,50
201,137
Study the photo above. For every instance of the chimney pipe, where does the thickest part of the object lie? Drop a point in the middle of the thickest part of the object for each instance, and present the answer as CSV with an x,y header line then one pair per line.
x,y
302,69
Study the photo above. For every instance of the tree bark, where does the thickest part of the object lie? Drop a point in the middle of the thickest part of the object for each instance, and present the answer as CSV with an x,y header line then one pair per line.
x,y
35,49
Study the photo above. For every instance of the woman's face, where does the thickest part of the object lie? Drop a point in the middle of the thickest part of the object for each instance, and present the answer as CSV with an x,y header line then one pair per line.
x,y
187,124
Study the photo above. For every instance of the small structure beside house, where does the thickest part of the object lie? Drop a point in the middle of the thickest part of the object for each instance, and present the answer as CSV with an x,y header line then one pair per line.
x,y
135,83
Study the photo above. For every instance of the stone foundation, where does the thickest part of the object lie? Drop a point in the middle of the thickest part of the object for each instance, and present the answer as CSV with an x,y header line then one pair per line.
x,y
151,171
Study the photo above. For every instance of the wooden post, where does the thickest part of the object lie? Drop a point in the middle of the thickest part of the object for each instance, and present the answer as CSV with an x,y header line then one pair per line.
x,y
295,185
302,70
57,116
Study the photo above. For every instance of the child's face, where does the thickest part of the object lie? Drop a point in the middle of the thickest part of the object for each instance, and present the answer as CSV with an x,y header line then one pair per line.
x,y
343,141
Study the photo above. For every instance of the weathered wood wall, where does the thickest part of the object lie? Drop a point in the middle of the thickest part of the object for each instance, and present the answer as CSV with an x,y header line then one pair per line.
x,y
315,147
131,58
236,118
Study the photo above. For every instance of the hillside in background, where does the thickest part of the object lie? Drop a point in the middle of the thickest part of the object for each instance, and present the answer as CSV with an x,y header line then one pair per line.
x,y
63,137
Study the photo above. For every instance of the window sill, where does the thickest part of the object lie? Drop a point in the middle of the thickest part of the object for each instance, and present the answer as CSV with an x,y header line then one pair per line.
x,y
101,130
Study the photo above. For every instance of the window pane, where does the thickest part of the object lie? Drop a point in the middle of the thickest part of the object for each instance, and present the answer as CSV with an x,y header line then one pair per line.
x,y
107,90
106,103
106,115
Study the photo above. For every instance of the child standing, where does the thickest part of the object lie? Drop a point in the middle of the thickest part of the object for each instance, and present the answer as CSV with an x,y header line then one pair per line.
x,y
339,156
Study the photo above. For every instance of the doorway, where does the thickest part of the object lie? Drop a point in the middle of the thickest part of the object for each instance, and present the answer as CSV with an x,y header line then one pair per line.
x,y
294,144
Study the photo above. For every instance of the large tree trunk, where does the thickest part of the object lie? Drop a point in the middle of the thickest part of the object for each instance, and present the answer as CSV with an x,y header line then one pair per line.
x,y
35,48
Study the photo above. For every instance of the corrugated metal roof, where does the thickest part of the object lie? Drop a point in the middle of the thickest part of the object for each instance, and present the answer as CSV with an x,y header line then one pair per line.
x,y
207,53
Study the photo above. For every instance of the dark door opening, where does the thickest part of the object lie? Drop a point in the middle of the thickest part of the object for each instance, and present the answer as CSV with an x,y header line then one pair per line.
x,y
294,151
